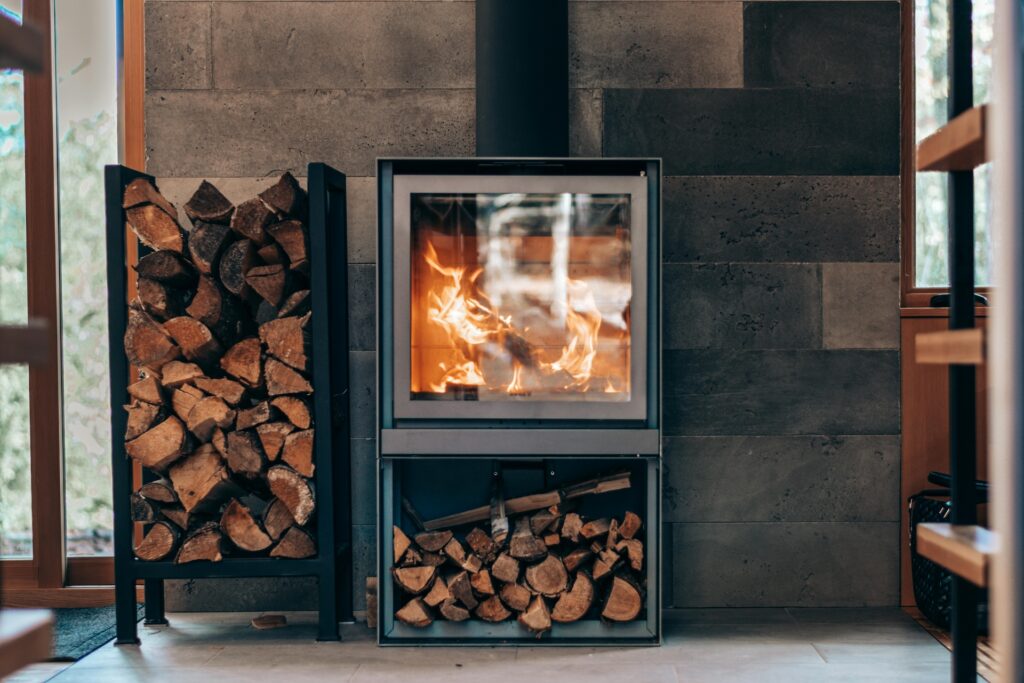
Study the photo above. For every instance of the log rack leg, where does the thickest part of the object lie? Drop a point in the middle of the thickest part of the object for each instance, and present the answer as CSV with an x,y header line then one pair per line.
x,y
154,593
125,611
327,586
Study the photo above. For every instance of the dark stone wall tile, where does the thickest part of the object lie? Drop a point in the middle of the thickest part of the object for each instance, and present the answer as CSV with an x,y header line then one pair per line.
x,y
782,479
824,44
362,307
781,218
363,394
179,59
364,481
742,305
712,392
795,131
364,561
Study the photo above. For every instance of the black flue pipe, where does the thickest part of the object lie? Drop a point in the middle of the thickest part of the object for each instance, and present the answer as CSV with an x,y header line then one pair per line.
x,y
522,78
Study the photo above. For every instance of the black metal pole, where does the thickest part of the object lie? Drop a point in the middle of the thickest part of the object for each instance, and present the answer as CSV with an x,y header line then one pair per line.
x,y
962,413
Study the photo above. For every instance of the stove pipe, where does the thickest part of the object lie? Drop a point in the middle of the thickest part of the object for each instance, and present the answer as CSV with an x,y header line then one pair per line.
x,y
522,78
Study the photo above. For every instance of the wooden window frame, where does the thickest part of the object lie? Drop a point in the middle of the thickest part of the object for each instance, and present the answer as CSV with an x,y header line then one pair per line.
x,y
50,578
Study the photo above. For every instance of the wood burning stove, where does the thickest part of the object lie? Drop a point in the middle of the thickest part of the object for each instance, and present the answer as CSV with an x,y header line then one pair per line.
x,y
518,354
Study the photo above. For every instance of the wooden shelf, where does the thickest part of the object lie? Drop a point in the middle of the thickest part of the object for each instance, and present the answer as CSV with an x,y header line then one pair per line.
x,y
949,347
25,343
21,47
26,637
963,550
960,145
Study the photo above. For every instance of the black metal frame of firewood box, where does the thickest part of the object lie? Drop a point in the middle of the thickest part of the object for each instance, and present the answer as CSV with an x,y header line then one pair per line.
x,y
329,293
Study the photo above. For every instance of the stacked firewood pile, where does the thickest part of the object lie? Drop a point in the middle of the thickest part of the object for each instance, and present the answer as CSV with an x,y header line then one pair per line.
x,y
221,411
554,566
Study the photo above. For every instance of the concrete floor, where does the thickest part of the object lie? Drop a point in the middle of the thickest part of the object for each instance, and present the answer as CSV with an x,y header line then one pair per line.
x,y
764,645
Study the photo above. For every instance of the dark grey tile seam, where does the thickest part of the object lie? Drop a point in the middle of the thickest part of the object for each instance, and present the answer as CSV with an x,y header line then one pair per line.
x,y
209,47
820,272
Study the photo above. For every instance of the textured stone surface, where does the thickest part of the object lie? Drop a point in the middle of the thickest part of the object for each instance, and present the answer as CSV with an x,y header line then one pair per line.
x,y
665,45
363,388
714,392
782,479
241,595
585,113
362,307
860,305
364,481
178,59
364,560
781,218
742,305
799,131
760,565
259,133
855,44
343,45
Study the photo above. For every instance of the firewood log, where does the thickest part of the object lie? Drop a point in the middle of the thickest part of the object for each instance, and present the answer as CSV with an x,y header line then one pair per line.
x,y
575,558
452,612
240,527
266,622
201,480
227,389
542,519
287,340
159,446
245,455
140,191
551,540
265,312
437,594
481,582
606,562
146,343
295,409
457,554
159,490
631,524
492,610
296,544
207,414
296,303
433,541
272,437
594,529
196,341
184,400
155,228
235,261
482,545
291,235
282,379
167,267
206,243
523,545
209,205
251,219
414,580
269,282
258,414
462,589
203,543
141,416
624,601
214,307
141,509
276,519
371,602
432,559
515,596
634,548
536,617
272,254
548,577
146,389
177,515
286,197
506,568
158,543
242,361
400,543
294,491
576,602
415,613
613,534
298,452
161,301
177,373
220,442
413,558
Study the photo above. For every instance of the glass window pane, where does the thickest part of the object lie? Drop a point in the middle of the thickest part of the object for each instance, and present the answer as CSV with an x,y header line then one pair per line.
x,y
15,473
86,78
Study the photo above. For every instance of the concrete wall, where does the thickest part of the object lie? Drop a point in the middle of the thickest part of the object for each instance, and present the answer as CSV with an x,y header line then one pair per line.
x,y
779,126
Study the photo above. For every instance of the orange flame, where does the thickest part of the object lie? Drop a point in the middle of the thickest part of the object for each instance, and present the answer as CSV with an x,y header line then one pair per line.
x,y
462,374
577,359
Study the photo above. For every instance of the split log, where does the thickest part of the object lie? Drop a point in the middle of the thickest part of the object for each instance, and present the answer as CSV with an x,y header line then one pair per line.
x,y
515,596
542,519
141,191
160,446
575,603
250,220
294,491
452,612
433,541
606,562
536,617
371,601
506,568
457,554
432,559
155,228
184,400
272,437
551,540
269,282
236,260
201,480
286,197
272,254
549,577
492,610
400,543
414,580
146,389
571,526
296,303
481,582
462,589
209,205
206,243
295,409
141,416
413,558
161,301
167,267
242,361
239,525
227,389
282,379
251,417
176,373
218,310
634,548
287,340
298,452
265,312
158,543
203,543
276,519
613,534
631,524
245,455
415,613
265,622
575,558
159,490
146,343
523,545
141,509
624,601
196,341
297,544
438,593
594,529
220,442
481,544
291,235
177,515
207,414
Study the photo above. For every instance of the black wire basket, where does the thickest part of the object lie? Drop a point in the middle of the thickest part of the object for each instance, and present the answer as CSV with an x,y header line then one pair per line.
x,y
932,583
